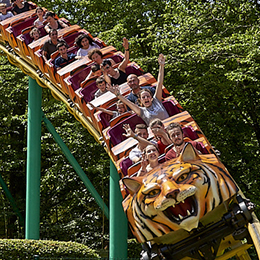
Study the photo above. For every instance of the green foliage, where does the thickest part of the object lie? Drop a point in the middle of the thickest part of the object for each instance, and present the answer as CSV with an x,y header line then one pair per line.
x,y
26,249
133,249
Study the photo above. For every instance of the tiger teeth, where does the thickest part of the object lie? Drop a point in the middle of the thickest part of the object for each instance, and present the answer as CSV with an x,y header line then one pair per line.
x,y
180,217
183,201
188,212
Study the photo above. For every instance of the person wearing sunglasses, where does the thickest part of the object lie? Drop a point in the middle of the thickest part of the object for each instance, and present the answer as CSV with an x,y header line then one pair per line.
x,y
50,45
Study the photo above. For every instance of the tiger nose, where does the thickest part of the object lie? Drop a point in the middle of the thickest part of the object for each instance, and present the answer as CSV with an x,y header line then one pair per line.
x,y
170,189
172,194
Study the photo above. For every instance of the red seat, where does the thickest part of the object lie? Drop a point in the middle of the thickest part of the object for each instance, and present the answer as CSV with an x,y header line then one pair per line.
x,y
24,39
115,133
124,165
105,118
88,93
14,31
188,131
171,108
133,68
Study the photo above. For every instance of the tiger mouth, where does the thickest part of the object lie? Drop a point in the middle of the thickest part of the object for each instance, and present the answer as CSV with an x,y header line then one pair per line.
x,y
182,210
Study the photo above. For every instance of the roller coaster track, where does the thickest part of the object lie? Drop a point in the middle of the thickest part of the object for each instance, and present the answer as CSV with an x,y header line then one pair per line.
x,y
27,57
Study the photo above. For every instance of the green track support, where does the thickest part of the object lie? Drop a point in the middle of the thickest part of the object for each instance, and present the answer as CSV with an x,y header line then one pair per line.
x,y
76,166
12,201
117,221
33,171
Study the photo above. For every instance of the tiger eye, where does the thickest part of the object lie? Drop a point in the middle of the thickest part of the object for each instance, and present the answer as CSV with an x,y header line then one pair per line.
x,y
182,177
153,193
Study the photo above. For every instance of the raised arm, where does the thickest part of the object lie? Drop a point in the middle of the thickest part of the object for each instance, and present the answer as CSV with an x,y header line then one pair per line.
x,y
47,28
158,91
101,109
122,66
129,133
116,91
106,77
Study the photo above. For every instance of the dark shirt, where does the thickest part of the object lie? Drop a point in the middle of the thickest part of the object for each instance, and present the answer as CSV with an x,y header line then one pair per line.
x,y
59,26
120,80
61,62
133,97
21,10
49,47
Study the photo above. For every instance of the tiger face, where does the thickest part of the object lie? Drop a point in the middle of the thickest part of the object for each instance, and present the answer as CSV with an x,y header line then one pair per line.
x,y
176,194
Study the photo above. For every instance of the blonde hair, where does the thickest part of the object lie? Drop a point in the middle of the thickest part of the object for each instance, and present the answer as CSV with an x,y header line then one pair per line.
x,y
3,5
33,31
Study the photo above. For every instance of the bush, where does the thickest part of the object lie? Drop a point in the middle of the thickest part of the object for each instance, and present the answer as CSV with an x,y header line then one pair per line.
x,y
26,249
133,249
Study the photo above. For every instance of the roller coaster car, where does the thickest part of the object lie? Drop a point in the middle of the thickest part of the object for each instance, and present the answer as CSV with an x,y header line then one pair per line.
x,y
17,19
24,39
70,42
186,207
78,78
13,31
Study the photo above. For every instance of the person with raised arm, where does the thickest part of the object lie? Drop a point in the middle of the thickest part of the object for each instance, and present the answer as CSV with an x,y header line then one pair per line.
x,y
20,6
120,109
149,159
160,134
151,105
116,76
140,134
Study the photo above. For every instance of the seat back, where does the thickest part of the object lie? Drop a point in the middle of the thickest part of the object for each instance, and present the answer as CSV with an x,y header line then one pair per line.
x,y
26,35
78,77
88,92
133,68
188,131
133,169
116,132
124,165
17,29
170,107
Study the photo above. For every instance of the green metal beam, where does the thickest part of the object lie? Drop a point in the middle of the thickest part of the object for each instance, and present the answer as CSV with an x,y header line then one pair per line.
x,y
76,166
117,221
12,201
33,171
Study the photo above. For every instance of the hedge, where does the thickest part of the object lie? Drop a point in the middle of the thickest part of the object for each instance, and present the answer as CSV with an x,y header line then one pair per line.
x,y
26,249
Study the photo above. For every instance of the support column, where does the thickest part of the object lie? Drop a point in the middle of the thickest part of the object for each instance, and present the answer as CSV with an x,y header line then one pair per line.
x,y
33,171
76,166
117,219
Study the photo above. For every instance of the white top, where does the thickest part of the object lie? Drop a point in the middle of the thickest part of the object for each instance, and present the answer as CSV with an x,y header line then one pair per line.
x,y
156,110
84,52
38,23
